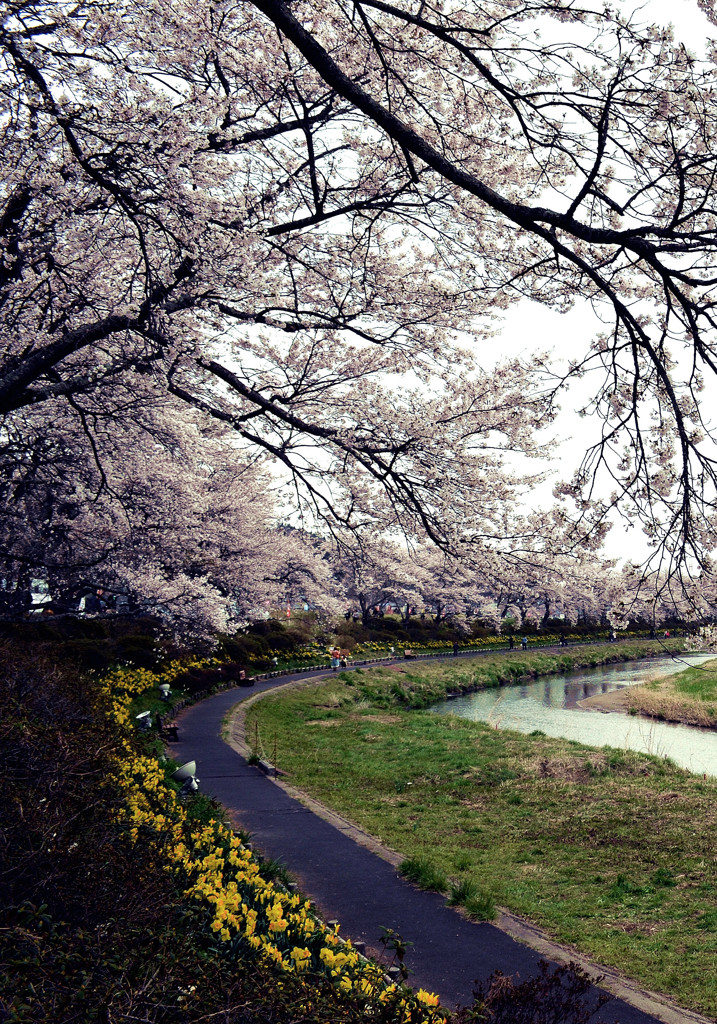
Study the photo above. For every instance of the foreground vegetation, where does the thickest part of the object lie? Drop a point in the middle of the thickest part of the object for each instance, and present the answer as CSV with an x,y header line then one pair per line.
x,y
609,850
689,697
121,902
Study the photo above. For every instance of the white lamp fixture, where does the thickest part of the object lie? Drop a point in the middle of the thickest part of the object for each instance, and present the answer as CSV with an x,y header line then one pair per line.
x,y
164,691
144,720
185,775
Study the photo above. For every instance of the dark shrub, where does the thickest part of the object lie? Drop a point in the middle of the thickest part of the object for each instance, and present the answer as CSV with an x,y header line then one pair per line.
x,y
557,995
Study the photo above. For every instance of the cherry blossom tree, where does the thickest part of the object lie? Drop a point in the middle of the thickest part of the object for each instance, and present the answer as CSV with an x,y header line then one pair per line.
x,y
376,571
149,505
300,222
154,223
449,586
573,151
300,569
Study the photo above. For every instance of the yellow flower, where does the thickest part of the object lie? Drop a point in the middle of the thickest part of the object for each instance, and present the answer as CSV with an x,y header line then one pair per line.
x,y
301,958
427,998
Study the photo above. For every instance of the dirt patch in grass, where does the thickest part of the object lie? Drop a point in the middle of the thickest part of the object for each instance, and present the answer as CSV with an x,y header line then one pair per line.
x,y
378,719
569,769
640,928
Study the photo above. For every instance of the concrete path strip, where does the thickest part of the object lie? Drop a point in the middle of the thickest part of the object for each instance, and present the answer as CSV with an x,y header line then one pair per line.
x,y
353,878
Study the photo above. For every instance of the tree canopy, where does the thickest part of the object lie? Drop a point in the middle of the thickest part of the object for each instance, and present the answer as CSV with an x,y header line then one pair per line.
x,y
289,230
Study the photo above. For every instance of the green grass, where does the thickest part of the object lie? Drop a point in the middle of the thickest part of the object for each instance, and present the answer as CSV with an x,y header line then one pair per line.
x,y
419,684
699,681
480,906
424,873
609,850
477,904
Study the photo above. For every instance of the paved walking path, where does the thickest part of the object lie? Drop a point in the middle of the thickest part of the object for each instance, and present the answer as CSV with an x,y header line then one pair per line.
x,y
355,885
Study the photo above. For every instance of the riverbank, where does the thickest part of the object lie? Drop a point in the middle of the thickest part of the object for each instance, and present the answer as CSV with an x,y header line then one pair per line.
x,y
611,852
419,684
689,698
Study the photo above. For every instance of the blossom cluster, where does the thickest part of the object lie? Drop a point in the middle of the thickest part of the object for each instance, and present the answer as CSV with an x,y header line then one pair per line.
x,y
374,647
304,652
123,683
255,918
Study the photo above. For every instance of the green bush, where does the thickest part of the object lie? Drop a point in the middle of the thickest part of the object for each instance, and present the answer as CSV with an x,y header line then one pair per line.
x,y
460,892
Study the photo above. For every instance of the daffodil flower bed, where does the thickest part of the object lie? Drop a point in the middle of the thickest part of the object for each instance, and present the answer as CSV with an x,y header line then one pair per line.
x,y
253,918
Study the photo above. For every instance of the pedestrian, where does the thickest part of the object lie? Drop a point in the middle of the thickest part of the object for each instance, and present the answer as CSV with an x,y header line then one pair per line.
x,y
524,643
455,648
511,643
90,604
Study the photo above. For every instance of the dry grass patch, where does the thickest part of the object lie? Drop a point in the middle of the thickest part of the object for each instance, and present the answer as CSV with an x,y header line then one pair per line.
x,y
640,928
351,717
663,703
689,697
475,805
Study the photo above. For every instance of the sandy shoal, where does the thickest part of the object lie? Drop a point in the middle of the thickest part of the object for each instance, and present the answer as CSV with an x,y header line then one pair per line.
x,y
615,700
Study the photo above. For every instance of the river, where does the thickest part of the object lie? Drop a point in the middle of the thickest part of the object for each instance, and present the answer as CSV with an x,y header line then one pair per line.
x,y
550,704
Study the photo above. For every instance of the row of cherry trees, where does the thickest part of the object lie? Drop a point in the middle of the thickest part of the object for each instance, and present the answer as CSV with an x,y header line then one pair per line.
x,y
252,259
520,592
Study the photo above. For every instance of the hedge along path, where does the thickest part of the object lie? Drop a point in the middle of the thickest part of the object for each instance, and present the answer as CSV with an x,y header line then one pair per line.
x,y
234,733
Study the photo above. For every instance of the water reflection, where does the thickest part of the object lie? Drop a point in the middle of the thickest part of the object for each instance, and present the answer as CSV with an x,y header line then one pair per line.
x,y
550,704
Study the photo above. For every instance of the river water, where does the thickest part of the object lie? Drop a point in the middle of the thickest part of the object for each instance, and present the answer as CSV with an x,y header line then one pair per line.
x,y
550,704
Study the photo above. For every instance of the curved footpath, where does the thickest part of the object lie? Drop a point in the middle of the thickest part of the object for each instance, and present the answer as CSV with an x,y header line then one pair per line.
x,y
351,878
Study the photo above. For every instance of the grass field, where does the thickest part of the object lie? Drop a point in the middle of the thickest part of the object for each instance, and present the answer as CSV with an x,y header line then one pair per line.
x,y
608,850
